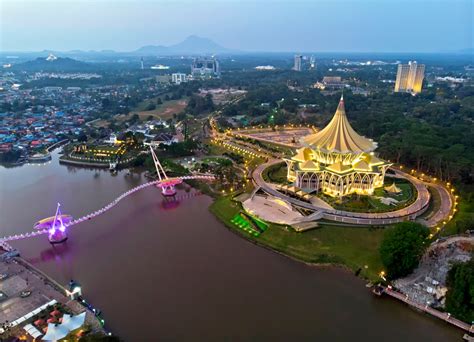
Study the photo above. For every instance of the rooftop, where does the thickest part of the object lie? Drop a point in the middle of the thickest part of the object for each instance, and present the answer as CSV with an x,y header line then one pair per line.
x,y
339,136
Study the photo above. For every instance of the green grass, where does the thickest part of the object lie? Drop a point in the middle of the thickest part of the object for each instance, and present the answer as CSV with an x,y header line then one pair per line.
x,y
214,149
276,173
462,220
370,204
217,160
352,247
163,111
434,204
240,222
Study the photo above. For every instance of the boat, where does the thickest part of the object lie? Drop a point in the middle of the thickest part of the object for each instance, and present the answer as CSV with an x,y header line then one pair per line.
x,y
468,337
58,236
378,290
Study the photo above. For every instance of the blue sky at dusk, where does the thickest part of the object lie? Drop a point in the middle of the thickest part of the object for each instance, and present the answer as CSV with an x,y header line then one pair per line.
x,y
319,26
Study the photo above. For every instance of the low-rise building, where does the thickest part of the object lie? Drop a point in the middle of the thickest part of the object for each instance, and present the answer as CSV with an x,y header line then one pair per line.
x,y
178,78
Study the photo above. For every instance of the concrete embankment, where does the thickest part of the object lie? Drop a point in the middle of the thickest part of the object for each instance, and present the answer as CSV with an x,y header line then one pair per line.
x,y
83,163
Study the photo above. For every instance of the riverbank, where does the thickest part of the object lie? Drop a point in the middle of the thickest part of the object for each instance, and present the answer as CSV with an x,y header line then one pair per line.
x,y
28,294
353,248
189,279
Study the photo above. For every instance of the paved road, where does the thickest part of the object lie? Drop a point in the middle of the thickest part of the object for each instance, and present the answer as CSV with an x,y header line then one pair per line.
x,y
445,208
410,212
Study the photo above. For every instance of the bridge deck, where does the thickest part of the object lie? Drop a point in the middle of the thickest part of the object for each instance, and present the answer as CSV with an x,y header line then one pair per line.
x,y
5,239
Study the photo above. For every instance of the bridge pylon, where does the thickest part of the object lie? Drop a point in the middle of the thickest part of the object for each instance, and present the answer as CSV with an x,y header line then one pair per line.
x,y
166,184
57,232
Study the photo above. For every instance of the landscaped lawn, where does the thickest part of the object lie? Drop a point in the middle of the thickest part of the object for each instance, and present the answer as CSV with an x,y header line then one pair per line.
x,y
163,111
353,247
363,203
276,173
434,204
465,213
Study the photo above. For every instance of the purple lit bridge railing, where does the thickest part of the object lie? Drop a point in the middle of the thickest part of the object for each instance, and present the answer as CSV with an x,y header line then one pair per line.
x,y
4,240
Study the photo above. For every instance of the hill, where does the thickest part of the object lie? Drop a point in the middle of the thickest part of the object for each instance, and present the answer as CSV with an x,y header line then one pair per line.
x,y
53,64
191,45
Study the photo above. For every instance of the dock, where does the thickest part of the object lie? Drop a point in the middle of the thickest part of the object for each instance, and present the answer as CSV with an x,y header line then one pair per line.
x,y
429,310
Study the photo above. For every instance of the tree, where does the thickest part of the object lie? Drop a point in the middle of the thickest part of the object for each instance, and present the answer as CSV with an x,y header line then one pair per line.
x,y
159,101
402,248
460,295
82,137
150,106
134,119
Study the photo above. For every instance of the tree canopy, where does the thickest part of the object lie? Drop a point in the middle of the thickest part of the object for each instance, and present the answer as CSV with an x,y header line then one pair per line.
x,y
460,295
402,248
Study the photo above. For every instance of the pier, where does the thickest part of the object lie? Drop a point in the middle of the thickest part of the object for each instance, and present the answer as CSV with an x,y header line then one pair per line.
x,y
426,308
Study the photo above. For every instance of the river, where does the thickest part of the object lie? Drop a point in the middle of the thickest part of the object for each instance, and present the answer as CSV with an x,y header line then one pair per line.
x,y
167,271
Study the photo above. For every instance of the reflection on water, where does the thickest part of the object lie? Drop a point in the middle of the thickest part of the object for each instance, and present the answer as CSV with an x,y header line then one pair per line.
x,y
54,252
166,269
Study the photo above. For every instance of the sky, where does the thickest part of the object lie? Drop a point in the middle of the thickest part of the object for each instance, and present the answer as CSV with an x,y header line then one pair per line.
x,y
259,25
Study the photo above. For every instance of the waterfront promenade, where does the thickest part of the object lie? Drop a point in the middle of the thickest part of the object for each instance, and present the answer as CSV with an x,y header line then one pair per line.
x,y
20,276
426,308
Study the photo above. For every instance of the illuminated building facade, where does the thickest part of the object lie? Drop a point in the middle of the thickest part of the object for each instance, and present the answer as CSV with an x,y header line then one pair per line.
x,y
337,161
410,77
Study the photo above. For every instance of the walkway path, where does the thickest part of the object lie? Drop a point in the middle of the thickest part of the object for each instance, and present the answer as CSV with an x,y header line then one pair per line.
x,y
441,315
4,240
445,207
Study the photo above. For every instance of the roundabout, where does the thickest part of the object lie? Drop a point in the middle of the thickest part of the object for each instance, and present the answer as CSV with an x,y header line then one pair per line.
x,y
410,212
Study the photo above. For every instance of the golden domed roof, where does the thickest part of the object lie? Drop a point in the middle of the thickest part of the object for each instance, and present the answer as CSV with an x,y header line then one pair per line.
x,y
339,136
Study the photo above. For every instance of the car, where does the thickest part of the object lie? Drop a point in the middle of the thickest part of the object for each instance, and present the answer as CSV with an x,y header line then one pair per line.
x,y
3,276
24,294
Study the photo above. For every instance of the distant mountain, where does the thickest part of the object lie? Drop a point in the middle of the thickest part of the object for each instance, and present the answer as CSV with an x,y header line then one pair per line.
x,y
53,64
191,45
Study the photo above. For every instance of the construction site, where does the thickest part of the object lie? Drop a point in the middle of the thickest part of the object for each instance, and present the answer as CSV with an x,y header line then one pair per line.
x,y
427,284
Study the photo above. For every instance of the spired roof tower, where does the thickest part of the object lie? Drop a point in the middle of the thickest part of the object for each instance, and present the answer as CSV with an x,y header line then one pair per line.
x,y
337,160
339,136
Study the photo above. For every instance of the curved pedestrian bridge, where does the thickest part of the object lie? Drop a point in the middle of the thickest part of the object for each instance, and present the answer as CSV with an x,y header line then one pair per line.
x,y
175,180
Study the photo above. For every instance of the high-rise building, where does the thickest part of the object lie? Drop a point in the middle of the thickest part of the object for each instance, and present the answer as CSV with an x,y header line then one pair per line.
x,y
312,63
410,77
142,66
298,63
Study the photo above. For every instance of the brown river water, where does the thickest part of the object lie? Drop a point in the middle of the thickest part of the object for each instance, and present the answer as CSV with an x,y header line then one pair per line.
x,y
172,271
